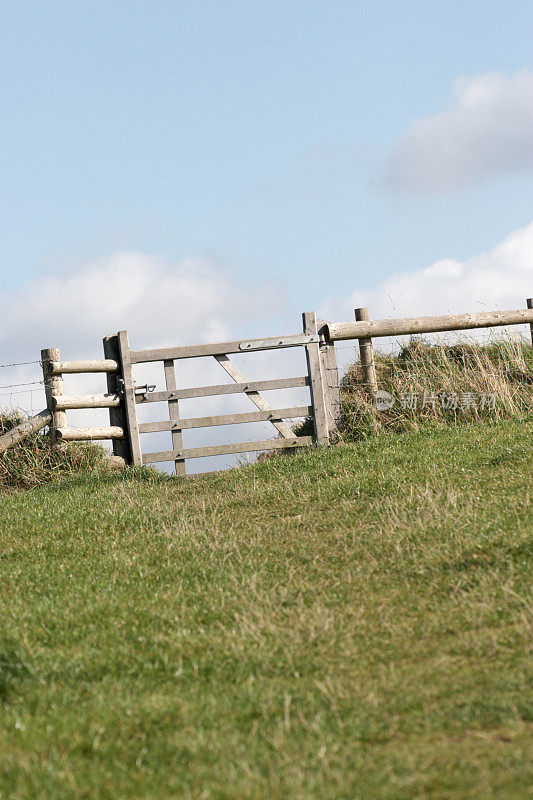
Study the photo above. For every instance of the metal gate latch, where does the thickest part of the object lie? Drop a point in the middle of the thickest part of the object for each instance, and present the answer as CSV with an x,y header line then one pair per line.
x,y
145,388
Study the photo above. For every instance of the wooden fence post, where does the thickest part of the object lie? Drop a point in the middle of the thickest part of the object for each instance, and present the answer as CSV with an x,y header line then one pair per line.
x,y
366,354
174,415
316,379
330,371
132,427
117,415
529,302
53,387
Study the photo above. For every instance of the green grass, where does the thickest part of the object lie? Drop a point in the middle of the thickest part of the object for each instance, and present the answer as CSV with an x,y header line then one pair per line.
x,y
342,623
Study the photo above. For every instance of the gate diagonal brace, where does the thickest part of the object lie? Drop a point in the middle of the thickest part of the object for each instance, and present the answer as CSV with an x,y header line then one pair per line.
x,y
256,398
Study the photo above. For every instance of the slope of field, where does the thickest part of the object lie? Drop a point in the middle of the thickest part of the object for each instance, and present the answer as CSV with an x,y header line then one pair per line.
x,y
342,623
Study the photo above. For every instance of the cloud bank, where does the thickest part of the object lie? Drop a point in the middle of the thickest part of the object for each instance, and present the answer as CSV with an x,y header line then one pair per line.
x,y
501,278
159,302
488,130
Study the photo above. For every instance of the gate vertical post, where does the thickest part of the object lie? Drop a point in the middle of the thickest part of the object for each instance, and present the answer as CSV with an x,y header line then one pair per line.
x,y
366,354
117,416
529,303
316,379
174,415
132,428
330,371
53,387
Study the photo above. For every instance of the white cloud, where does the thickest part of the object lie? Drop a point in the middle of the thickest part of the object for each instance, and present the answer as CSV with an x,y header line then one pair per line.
x,y
489,129
501,278
159,303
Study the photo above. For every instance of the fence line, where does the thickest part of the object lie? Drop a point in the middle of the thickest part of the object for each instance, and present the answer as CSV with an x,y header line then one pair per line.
x,y
322,381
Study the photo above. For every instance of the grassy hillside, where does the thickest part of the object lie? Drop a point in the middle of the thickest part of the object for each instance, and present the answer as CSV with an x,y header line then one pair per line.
x,y
342,623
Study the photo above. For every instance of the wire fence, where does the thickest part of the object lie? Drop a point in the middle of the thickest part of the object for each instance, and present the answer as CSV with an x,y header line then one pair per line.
x,y
16,390
21,387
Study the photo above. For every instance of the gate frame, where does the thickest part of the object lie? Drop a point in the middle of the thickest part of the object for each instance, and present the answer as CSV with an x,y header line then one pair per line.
x,y
322,379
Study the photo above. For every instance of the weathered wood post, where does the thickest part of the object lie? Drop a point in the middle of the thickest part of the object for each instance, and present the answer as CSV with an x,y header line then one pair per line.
x,y
53,387
316,378
529,302
132,428
174,415
366,354
117,415
330,371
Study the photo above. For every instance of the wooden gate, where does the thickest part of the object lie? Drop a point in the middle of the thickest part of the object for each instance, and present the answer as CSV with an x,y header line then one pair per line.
x,y
321,379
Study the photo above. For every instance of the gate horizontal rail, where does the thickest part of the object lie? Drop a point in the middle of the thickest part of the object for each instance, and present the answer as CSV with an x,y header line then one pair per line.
x,y
228,449
222,388
221,348
226,419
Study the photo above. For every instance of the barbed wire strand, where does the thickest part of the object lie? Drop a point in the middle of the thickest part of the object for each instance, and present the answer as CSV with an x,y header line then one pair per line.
x,y
13,385
20,363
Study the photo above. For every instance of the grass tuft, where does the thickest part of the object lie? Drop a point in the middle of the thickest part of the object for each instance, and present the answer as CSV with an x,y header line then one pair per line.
x,y
34,461
446,384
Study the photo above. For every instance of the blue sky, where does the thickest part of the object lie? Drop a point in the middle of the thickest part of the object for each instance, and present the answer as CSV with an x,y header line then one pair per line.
x,y
252,133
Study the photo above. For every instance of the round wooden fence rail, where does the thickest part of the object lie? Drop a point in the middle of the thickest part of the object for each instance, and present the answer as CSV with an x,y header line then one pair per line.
x,y
338,331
